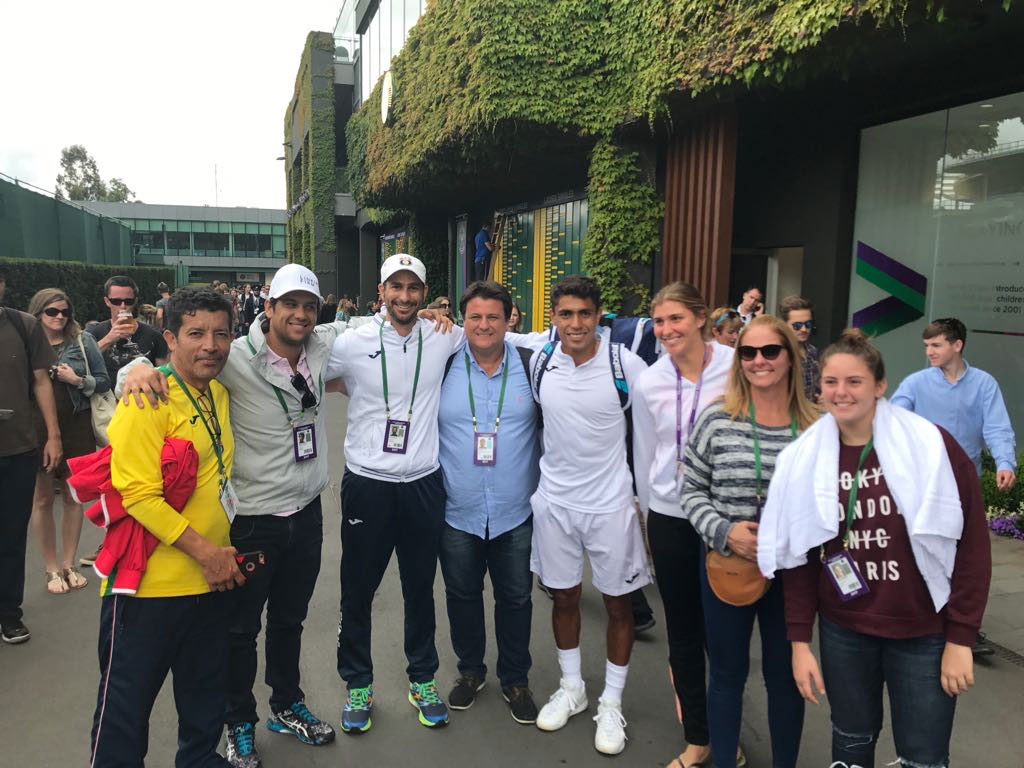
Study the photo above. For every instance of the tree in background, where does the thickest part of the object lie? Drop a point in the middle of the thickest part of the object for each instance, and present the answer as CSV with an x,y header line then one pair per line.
x,y
80,179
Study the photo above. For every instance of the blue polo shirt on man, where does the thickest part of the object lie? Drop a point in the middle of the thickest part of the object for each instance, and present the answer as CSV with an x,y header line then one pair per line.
x,y
971,409
487,501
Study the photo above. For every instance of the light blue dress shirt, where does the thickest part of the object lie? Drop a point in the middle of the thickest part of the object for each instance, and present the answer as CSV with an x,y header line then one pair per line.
x,y
488,501
971,409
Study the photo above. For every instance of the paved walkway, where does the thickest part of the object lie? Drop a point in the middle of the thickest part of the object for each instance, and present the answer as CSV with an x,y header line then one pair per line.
x,y
49,686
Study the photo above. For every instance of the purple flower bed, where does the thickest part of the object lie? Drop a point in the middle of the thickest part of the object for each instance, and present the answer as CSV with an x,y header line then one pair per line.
x,y
1011,526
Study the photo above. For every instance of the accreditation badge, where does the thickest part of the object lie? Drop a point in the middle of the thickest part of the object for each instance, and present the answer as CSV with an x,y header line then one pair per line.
x,y
229,500
396,436
485,449
304,441
845,576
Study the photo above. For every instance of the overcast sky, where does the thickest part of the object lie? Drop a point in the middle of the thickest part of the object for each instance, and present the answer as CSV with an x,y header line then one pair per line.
x,y
157,92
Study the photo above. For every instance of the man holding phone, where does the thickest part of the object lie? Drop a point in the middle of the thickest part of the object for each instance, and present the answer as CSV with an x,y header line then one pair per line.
x,y
751,305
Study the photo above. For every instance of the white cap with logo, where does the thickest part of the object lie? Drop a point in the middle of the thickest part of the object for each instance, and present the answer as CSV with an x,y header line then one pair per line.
x,y
401,261
294,277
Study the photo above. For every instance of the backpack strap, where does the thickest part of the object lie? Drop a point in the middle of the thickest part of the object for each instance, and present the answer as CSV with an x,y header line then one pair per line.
x,y
539,367
18,323
448,367
619,374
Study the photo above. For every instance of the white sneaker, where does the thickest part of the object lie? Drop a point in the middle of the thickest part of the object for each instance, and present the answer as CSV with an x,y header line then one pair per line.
x,y
563,704
610,738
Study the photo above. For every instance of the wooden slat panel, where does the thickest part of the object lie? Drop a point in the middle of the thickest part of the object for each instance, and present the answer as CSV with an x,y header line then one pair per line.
x,y
700,182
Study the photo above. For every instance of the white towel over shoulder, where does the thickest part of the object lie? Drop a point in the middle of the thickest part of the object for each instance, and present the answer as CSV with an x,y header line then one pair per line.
x,y
801,511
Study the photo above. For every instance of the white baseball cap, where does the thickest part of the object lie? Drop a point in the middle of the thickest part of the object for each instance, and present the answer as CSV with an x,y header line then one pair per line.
x,y
401,261
294,277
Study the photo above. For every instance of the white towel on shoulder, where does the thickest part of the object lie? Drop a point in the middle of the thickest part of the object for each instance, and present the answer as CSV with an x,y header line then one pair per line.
x,y
802,508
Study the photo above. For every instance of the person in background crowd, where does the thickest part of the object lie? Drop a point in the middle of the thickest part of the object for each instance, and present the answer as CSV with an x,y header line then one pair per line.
x,y
78,374
328,311
122,338
901,615
727,466
583,505
161,304
726,325
445,305
515,322
147,313
29,358
751,305
177,620
346,310
263,297
486,397
484,249
667,398
799,313
250,307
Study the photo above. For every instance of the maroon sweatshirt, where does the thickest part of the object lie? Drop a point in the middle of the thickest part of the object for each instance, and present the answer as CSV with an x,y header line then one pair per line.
x,y
898,604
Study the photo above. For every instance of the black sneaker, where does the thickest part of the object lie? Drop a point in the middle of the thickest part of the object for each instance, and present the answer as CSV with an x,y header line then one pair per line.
x,y
982,647
241,749
14,633
520,704
642,624
464,693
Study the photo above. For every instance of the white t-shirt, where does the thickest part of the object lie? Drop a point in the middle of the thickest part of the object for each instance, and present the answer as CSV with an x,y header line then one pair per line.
x,y
654,425
583,466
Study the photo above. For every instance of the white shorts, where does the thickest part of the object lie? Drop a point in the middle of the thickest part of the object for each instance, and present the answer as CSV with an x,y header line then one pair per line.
x,y
612,541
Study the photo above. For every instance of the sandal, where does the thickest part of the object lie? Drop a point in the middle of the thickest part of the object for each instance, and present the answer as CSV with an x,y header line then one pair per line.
x,y
55,583
74,579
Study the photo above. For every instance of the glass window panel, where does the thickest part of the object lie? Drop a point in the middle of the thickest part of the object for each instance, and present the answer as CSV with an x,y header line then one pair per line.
x,y
264,229
237,226
411,15
384,14
210,243
364,65
375,42
184,226
178,243
252,229
397,26
278,244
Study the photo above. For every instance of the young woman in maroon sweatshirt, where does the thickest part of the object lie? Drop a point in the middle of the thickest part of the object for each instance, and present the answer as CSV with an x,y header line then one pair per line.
x,y
891,634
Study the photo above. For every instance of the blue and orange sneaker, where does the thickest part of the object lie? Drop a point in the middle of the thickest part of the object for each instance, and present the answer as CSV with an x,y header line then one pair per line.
x,y
355,717
432,709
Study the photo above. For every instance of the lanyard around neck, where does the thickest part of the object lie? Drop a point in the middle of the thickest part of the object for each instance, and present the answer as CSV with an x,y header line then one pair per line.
x,y
693,408
280,397
501,396
851,501
384,373
215,435
757,449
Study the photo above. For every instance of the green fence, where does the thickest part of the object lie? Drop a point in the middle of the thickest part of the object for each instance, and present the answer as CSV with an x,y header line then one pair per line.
x,y
34,226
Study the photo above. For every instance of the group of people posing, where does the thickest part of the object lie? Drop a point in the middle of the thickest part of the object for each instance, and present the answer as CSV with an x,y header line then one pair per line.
x,y
504,453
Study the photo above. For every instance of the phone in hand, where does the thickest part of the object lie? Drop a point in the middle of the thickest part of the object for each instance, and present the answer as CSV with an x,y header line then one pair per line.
x,y
249,562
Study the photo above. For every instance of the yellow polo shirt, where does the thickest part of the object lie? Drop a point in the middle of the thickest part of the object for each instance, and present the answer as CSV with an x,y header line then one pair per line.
x,y
137,438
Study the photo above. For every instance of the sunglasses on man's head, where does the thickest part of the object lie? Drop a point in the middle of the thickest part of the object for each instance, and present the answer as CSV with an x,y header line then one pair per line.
x,y
801,324
732,314
53,312
768,351
301,386
119,302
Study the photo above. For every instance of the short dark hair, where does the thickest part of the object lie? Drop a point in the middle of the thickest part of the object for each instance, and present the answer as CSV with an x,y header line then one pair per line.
x,y
121,281
949,327
794,304
580,286
188,301
486,289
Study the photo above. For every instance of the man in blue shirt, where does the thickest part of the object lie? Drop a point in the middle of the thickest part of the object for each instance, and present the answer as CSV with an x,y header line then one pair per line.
x,y
965,401
484,248
489,454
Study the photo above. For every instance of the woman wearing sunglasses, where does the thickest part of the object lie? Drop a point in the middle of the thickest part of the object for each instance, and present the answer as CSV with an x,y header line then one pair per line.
x,y
666,400
727,465
79,373
726,324
898,579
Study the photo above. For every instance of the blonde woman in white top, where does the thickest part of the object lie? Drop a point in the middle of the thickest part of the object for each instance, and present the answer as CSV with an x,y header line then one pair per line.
x,y
666,402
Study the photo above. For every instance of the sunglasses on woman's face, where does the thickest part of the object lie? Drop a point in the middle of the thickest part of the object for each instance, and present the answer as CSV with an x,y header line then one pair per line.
x,y
53,312
768,351
445,305
799,325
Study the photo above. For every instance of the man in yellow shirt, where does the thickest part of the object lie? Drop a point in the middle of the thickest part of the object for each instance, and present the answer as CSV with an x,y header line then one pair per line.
x,y
177,620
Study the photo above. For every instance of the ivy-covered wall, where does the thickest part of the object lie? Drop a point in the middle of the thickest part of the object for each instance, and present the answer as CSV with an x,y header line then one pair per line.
x,y
309,134
479,79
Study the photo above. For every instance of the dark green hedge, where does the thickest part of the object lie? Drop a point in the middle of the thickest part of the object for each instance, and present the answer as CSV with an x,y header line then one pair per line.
x,y
83,283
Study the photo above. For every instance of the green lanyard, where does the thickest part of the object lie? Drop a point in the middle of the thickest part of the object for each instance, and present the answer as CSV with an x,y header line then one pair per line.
x,y
218,446
757,450
280,397
384,373
851,501
501,396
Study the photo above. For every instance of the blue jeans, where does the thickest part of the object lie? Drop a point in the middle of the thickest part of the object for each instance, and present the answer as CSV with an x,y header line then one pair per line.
x,y
728,630
464,560
855,667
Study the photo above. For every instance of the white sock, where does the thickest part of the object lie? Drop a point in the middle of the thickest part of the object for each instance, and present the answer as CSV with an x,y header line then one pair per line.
x,y
570,662
614,683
